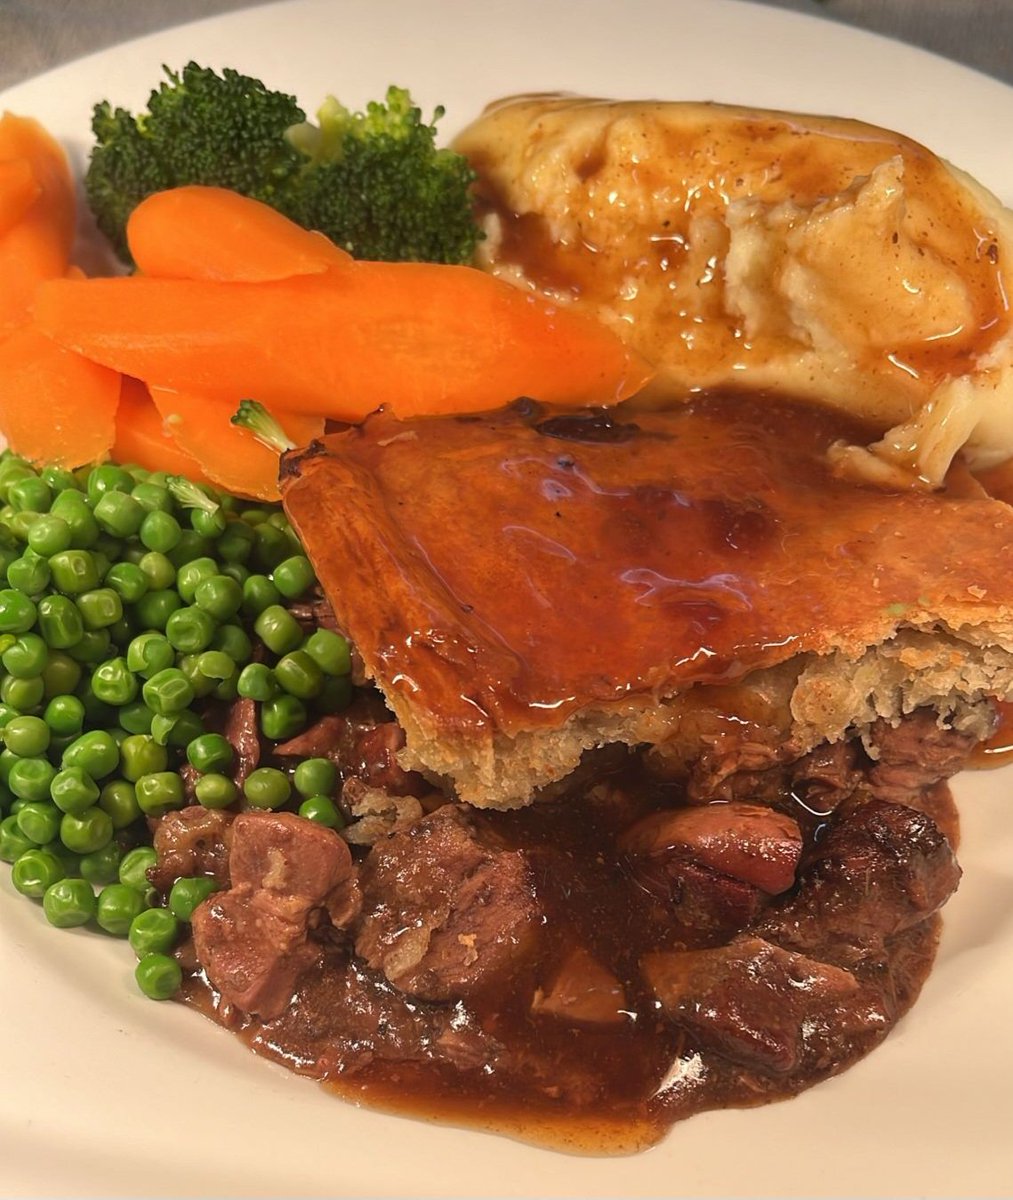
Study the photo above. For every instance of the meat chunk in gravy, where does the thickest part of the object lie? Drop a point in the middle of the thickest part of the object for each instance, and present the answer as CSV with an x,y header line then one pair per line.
x,y
192,841
448,911
289,879
881,869
765,1007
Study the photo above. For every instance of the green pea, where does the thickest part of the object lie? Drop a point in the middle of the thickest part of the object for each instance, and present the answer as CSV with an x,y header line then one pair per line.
x,y
187,893
134,868
282,718
256,682
30,575
118,800
160,532
210,752
114,683
117,907
216,791
294,576
236,571
154,609
30,779
168,692
149,653
234,641
219,596
73,509
61,675
259,593
27,657
152,498
35,871
236,544
216,664
64,715
154,931
323,811
271,546
27,736
299,675
177,730
95,752
127,580
87,832
193,573
69,903
17,612
141,755
157,570
135,718
101,866
315,777
49,535
159,976
30,494
190,630
107,478
100,608
73,790
267,787
330,651
13,842
92,648
278,629
39,821
159,792
23,694
74,572
119,514
202,684
59,621
190,547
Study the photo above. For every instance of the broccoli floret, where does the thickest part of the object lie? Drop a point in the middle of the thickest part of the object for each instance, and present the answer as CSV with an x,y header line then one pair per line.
x,y
374,182
227,130
377,184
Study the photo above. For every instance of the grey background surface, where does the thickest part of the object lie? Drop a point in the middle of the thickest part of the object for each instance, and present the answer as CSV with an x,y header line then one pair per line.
x,y
38,34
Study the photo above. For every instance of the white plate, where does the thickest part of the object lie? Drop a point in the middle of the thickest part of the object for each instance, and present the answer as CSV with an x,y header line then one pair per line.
x,y
103,1093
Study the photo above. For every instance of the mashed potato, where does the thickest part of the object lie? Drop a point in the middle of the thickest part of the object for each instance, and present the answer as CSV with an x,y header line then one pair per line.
x,y
820,258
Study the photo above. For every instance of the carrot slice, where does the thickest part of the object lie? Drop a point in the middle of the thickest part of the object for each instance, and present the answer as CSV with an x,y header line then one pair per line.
x,y
418,337
212,233
230,456
141,436
55,406
37,246
19,189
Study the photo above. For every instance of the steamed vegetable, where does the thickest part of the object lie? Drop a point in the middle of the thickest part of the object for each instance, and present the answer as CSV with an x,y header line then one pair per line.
x,y
212,233
133,605
421,338
374,182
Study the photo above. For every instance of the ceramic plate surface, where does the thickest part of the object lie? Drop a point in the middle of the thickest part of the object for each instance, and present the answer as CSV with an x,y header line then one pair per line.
x,y
104,1093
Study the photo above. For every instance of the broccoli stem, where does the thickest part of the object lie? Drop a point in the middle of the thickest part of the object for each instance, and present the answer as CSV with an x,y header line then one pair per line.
x,y
254,416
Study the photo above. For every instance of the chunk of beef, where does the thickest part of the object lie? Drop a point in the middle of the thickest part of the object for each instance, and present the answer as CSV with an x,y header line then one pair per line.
x,y
880,869
243,734
191,841
582,991
764,1007
825,777
448,912
749,842
913,754
375,813
254,940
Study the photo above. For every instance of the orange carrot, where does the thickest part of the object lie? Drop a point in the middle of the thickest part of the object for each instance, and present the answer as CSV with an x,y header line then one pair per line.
x,y
55,406
417,337
212,233
141,436
19,189
230,456
37,246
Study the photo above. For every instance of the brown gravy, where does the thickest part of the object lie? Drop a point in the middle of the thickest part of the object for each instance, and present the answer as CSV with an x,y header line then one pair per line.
x,y
614,1088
